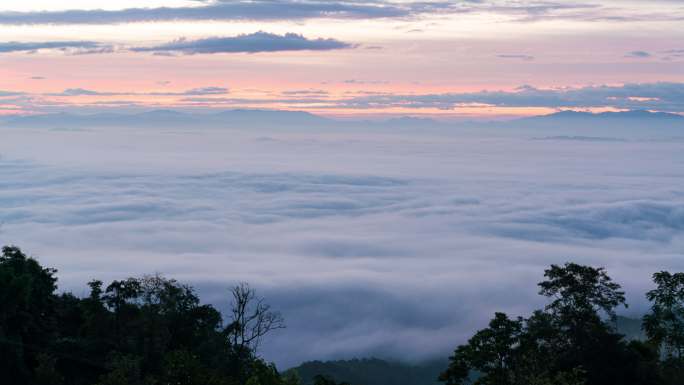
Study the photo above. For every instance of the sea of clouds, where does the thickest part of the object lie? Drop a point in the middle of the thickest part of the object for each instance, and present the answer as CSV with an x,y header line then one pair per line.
x,y
394,245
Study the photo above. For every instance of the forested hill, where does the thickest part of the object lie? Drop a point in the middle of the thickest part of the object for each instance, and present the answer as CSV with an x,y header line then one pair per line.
x,y
372,371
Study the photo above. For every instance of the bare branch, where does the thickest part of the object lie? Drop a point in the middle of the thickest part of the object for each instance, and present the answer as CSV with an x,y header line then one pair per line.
x,y
252,318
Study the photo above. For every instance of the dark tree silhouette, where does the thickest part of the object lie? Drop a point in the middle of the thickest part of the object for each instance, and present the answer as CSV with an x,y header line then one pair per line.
x,y
155,331
569,342
148,330
251,318
664,325
578,289
323,380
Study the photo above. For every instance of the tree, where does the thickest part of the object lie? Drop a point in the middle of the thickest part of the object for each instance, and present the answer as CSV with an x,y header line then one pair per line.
x,y
323,380
664,325
46,372
262,373
124,370
251,318
574,377
579,289
491,351
117,296
148,330
583,299
27,313
183,367
569,342
509,352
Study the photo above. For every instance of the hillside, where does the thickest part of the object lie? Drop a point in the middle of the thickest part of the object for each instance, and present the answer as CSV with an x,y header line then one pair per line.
x,y
172,118
632,124
372,371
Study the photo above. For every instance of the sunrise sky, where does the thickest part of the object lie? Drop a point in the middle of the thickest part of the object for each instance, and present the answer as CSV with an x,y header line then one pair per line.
x,y
485,59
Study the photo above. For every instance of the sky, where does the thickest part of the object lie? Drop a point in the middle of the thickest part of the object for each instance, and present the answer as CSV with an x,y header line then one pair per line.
x,y
469,59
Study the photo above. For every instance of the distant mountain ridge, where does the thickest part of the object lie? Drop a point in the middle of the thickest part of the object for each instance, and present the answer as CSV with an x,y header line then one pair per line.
x,y
635,124
633,114
374,371
168,118
564,123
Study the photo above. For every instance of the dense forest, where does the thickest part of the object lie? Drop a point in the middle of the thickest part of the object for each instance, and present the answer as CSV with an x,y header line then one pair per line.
x,y
371,371
375,371
153,330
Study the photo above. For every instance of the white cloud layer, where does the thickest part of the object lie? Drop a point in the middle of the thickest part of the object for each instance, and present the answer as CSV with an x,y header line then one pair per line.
x,y
396,245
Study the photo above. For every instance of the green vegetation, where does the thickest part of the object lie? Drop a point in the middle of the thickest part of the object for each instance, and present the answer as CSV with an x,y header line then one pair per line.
x,y
573,340
371,371
144,331
153,330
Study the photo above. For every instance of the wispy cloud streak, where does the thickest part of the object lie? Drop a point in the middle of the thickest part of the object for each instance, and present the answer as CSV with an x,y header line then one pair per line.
x,y
72,47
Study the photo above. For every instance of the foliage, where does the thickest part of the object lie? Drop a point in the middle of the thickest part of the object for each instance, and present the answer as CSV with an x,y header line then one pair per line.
x,y
581,290
155,331
370,371
323,380
664,325
146,331
571,341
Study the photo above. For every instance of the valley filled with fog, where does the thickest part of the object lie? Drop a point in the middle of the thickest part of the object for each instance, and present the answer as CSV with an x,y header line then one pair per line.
x,y
383,243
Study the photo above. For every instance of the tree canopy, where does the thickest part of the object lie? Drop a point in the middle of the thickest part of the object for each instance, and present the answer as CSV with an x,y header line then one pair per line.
x,y
152,330
572,341
148,330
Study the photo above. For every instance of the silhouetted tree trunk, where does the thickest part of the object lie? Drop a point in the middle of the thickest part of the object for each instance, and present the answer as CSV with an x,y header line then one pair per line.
x,y
251,319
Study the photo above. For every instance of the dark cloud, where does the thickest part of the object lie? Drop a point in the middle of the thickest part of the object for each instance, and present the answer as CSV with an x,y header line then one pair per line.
x,y
293,100
207,91
638,54
538,10
673,54
192,92
249,43
73,47
81,92
93,51
306,93
265,10
10,93
226,10
661,96
624,12
516,56
361,81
